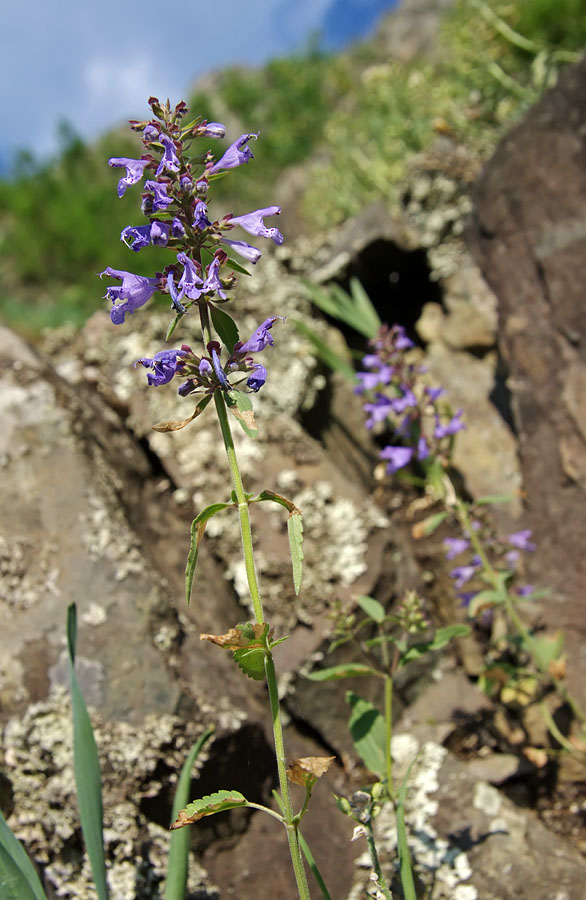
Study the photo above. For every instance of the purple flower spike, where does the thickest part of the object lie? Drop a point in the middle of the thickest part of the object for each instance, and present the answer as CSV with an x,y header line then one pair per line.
x,y
520,540
258,378
164,365
134,171
397,458
455,546
236,154
253,223
169,160
200,219
260,338
455,424
135,291
160,201
245,250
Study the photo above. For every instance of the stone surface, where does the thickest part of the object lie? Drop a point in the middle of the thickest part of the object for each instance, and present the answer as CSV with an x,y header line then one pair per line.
x,y
528,235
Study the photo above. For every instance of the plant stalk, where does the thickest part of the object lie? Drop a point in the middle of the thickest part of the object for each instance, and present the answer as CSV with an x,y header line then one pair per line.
x,y
247,547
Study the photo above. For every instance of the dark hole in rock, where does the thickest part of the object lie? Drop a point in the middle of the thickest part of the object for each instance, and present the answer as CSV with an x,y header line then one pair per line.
x,y
398,283
241,761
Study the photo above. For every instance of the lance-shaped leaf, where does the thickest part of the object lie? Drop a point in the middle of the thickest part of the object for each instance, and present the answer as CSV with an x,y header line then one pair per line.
x,y
294,530
208,806
240,405
367,729
177,863
178,424
225,326
345,670
238,267
18,877
307,769
86,766
197,530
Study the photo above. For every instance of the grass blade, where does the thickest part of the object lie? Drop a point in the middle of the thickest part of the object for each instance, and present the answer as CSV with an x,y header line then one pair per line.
x,y
18,878
86,764
179,846
405,866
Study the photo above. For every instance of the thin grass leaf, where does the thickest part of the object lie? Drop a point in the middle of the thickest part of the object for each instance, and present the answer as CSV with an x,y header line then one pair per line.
x,y
18,877
345,670
325,353
405,865
365,307
177,863
307,854
86,764
295,532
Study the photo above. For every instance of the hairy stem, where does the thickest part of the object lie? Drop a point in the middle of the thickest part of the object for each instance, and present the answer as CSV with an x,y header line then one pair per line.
x,y
246,534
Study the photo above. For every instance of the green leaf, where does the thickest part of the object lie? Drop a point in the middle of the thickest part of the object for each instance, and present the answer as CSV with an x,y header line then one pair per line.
x,y
429,525
545,649
238,267
173,325
177,863
295,531
442,637
276,498
367,729
345,670
240,406
324,352
252,662
405,866
225,326
372,608
86,765
484,600
494,499
365,307
198,527
209,806
18,877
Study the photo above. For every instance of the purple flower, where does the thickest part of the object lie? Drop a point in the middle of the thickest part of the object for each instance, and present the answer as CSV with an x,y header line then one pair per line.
x,y
422,447
370,380
169,159
253,223
212,282
160,201
186,183
175,296
455,424
258,378
205,368
378,409
401,341
407,401
220,374
397,457
140,236
455,546
150,134
135,291
259,339
520,540
177,228
236,154
190,280
164,365
213,129
245,250
525,590
200,219
434,393
134,171
463,574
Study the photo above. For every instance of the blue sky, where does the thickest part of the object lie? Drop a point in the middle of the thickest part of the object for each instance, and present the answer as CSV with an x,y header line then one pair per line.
x,y
95,64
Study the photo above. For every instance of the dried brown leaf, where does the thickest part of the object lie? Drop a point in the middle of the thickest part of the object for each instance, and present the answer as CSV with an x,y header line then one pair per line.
x,y
308,768
236,638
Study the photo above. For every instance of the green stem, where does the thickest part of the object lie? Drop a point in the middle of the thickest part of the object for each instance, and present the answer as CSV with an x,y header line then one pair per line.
x,y
247,547
380,879
243,512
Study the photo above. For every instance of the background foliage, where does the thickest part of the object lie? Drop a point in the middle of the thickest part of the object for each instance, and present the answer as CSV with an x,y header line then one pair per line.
x,y
354,120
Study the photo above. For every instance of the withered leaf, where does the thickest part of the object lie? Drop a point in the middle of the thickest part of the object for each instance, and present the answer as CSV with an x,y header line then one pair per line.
x,y
248,635
308,768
